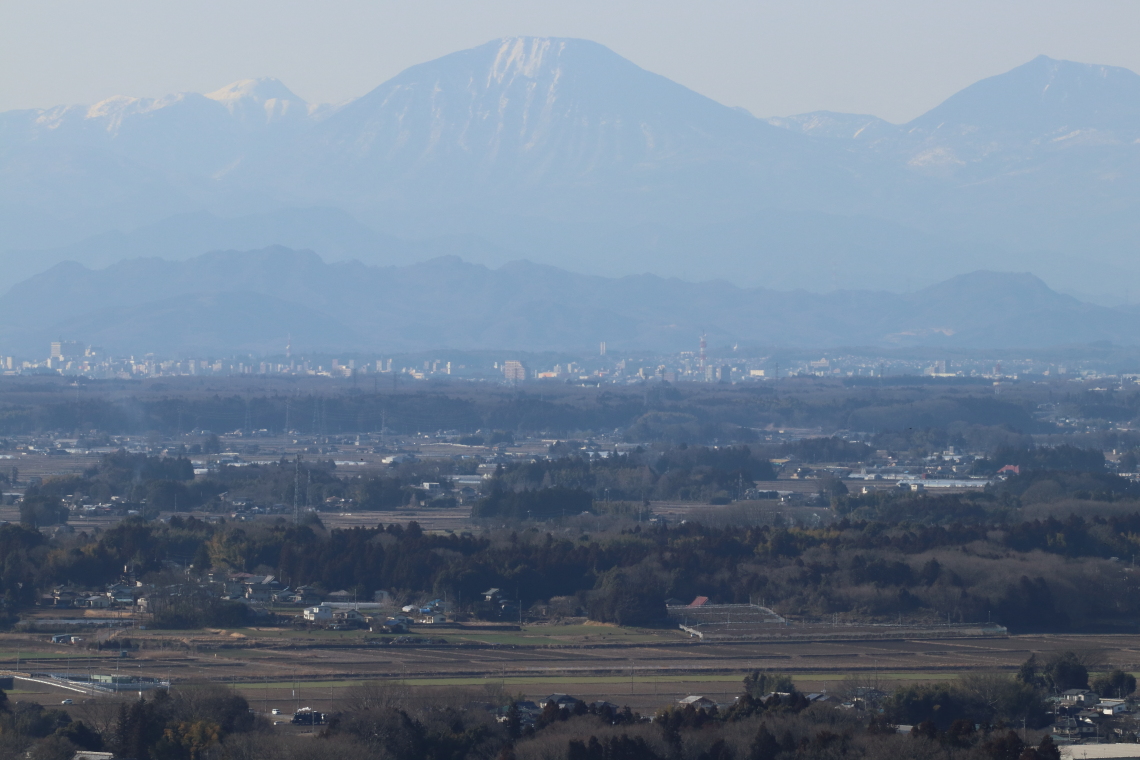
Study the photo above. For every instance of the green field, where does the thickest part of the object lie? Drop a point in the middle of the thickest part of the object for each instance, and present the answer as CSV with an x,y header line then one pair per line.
x,y
255,686
78,654
800,678
538,635
531,635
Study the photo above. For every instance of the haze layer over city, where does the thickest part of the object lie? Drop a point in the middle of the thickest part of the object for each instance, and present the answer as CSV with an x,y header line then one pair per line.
x,y
598,381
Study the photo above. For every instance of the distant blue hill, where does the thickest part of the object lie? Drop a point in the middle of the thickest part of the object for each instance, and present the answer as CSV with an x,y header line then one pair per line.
x,y
232,301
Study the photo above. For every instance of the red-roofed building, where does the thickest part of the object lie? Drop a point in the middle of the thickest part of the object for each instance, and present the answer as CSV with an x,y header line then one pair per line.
x,y
1012,468
700,601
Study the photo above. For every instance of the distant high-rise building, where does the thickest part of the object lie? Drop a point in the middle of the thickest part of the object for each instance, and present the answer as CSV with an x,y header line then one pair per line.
x,y
602,349
66,349
514,371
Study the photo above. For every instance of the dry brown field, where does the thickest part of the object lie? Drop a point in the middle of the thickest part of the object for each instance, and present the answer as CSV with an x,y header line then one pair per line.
x,y
644,668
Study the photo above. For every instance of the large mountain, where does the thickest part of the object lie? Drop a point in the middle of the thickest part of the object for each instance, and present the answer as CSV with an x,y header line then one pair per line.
x,y
252,301
564,153
550,128
1045,156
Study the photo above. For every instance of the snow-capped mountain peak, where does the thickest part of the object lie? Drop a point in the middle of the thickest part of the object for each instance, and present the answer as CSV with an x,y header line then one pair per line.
x,y
519,109
1043,97
260,100
114,113
523,56
562,147
257,90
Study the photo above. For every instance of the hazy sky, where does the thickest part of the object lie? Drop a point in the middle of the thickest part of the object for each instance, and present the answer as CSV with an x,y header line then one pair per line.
x,y
892,58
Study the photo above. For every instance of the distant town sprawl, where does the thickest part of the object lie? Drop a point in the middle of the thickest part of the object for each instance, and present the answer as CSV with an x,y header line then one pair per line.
x,y
720,364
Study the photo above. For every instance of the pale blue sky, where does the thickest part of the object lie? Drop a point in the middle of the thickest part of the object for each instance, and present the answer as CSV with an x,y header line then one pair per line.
x,y
892,58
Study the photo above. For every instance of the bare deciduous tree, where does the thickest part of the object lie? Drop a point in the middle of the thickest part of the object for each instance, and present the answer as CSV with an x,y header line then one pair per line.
x,y
376,695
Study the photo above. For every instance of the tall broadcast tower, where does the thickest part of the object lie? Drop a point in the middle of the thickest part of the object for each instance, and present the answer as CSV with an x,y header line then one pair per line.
x,y
704,351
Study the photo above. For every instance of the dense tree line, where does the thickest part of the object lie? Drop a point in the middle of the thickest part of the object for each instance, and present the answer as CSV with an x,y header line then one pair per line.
x,y
153,484
893,554
689,473
190,723
1051,574
546,504
137,479
661,473
687,413
1007,500
1064,458
831,449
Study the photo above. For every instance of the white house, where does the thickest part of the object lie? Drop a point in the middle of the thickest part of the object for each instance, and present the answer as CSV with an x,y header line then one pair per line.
x,y
1112,706
320,614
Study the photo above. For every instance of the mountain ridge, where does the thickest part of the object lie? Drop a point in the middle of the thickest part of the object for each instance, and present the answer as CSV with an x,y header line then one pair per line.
x,y
445,302
560,150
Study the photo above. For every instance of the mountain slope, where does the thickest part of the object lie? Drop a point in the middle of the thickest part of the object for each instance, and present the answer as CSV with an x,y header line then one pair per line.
x,y
839,126
200,324
73,171
1044,156
776,249
1041,99
565,153
555,127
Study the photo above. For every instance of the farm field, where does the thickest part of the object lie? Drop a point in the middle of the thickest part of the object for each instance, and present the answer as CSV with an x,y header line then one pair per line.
x,y
644,668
